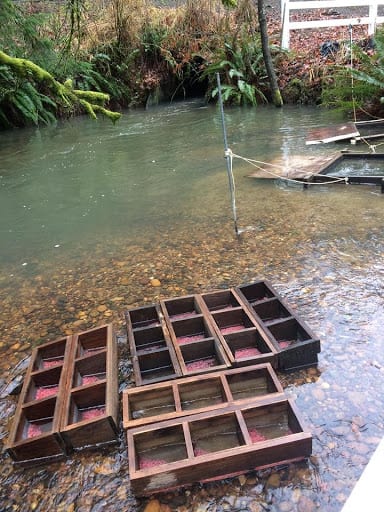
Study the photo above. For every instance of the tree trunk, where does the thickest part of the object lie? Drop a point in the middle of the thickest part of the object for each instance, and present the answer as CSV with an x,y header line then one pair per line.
x,y
275,91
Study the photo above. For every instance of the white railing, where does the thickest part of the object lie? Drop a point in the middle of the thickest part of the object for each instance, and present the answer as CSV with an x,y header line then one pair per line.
x,y
372,19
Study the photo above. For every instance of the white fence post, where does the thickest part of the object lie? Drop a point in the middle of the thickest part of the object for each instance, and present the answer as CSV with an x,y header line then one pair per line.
x,y
285,28
372,19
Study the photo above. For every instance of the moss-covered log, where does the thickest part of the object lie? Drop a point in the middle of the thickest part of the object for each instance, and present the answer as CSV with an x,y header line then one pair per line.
x,y
90,101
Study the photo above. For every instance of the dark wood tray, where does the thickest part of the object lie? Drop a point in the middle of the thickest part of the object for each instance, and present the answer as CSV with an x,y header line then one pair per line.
x,y
69,398
34,435
190,395
215,444
90,408
296,344
152,351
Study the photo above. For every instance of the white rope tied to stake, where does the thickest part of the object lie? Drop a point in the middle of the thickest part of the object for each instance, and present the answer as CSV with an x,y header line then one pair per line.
x,y
257,163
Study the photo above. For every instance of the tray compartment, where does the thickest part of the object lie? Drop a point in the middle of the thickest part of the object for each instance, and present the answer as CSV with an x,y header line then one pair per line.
x,y
50,354
151,403
154,367
271,310
202,356
256,292
146,316
201,393
232,321
271,421
297,346
191,330
249,347
150,339
220,300
92,341
160,448
44,384
36,437
181,307
257,381
88,420
89,370
215,434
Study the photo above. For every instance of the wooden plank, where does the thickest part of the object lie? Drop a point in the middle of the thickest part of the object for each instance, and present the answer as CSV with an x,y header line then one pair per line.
x,y
332,133
297,167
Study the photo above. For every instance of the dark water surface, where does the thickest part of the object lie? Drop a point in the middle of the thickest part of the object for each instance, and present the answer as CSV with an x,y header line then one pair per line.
x,y
90,213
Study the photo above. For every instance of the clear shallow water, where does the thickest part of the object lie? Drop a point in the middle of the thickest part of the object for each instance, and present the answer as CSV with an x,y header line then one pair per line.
x,y
90,212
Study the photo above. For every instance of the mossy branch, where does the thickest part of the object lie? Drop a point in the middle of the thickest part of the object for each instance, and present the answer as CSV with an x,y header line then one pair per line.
x,y
91,101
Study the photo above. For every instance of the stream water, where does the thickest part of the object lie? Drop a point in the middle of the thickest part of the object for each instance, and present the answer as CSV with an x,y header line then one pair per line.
x,y
96,218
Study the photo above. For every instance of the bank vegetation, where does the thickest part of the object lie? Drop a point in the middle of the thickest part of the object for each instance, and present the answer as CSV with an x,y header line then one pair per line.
x,y
59,58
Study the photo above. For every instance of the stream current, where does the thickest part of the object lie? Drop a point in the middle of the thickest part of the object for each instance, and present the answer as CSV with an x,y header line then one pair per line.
x,y
93,215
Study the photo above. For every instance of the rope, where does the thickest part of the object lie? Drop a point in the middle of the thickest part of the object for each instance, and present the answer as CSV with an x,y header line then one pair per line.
x,y
230,155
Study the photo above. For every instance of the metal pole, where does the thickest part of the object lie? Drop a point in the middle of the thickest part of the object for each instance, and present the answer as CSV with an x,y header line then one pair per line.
x,y
231,180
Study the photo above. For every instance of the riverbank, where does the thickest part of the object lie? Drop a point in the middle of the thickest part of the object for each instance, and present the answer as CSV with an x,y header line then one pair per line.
x,y
152,54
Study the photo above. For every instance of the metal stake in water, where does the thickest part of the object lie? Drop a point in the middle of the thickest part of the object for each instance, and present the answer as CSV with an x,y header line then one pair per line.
x,y
231,179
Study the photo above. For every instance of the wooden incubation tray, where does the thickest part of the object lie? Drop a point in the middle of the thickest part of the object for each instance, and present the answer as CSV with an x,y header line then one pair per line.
x,y
296,344
239,332
90,408
215,444
152,352
34,436
197,346
189,395
69,398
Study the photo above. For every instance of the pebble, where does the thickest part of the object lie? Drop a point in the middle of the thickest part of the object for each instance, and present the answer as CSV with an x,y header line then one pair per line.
x,y
273,480
43,309
305,504
285,506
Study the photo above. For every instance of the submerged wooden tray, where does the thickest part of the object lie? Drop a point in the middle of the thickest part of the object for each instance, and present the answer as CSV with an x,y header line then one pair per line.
x,y
34,436
189,395
69,398
296,344
198,348
214,444
239,332
90,408
152,352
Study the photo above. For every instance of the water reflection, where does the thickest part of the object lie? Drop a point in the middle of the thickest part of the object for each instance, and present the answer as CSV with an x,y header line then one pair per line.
x,y
90,213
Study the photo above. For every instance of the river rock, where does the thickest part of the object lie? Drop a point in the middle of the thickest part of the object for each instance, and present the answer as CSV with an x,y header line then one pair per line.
x,y
273,480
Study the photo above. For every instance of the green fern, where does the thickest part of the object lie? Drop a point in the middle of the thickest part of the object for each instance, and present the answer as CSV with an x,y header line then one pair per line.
x,y
241,67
